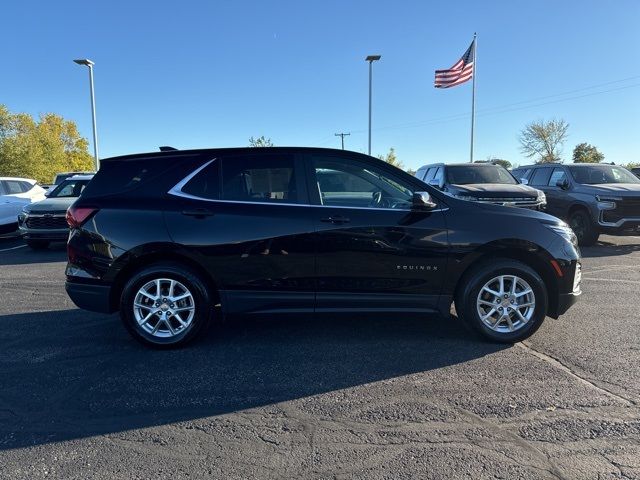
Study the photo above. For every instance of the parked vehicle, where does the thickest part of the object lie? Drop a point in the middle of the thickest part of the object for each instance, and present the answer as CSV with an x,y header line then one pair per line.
x,y
15,193
43,222
164,237
481,182
593,198
62,176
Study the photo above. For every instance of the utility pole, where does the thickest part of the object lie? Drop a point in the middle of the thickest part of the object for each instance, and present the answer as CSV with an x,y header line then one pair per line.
x,y
89,63
342,135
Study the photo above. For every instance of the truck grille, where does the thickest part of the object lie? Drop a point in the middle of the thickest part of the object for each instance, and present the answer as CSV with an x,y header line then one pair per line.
x,y
627,208
46,222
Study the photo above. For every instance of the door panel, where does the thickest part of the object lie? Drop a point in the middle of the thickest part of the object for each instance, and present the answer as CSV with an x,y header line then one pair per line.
x,y
374,256
259,246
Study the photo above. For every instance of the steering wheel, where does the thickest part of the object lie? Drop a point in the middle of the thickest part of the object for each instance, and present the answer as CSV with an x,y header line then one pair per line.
x,y
376,199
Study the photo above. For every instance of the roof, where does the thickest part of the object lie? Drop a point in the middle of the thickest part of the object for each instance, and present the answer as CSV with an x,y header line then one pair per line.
x,y
228,150
558,164
31,180
466,164
84,176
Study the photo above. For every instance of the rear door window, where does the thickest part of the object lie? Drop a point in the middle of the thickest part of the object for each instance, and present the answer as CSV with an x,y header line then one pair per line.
x,y
540,177
261,178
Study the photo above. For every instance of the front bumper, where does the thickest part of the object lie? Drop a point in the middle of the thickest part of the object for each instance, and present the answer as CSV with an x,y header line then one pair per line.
x,y
565,301
44,234
95,298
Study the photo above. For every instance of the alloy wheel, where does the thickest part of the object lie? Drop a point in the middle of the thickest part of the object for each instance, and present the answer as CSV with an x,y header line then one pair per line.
x,y
164,308
506,303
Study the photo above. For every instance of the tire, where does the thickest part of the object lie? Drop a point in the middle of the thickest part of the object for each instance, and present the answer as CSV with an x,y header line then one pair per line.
x,y
195,312
471,292
38,244
584,228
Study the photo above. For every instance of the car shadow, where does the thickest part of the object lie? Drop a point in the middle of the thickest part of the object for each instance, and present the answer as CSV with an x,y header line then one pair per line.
x,y
71,374
16,252
608,249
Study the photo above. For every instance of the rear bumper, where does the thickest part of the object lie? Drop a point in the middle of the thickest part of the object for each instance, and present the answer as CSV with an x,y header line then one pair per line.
x,y
95,298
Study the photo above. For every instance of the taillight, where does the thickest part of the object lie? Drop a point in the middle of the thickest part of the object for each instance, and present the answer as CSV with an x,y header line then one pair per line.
x,y
76,216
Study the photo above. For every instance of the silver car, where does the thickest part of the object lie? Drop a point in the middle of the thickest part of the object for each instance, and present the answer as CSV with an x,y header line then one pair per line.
x,y
43,222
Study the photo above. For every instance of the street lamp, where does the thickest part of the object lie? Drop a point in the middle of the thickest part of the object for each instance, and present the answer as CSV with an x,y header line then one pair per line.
x,y
89,63
370,59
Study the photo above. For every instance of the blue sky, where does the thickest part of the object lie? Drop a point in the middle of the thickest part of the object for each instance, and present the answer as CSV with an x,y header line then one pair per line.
x,y
208,74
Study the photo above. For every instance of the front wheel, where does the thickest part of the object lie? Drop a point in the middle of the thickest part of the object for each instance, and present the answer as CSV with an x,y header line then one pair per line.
x,y
165,305
581,224
505,300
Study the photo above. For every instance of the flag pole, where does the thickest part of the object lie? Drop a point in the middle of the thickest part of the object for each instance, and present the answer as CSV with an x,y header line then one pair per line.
x,y
473,92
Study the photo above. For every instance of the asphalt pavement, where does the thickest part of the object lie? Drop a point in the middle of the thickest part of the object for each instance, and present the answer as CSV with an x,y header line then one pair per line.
x,y
360,397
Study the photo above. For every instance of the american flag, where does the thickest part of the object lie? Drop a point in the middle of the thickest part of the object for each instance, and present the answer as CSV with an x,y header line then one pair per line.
x,y
461,72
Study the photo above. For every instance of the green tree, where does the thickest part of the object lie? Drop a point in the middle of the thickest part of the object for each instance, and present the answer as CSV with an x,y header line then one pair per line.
x,y
543,140
585,153
499,161
261,141
40,148
392,159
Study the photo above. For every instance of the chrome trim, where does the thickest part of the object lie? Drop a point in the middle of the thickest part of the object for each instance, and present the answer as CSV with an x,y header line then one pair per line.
x,y
176,190
48,215
619,223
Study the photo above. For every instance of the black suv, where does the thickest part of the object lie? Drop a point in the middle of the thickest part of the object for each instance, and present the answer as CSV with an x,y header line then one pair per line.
x,y
593,198
166,237
481,182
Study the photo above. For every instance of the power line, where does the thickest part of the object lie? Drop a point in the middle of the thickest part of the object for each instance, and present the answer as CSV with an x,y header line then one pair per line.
x,y
342,135
506,108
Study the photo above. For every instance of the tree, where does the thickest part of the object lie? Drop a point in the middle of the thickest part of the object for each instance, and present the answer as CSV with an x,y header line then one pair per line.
x,y
40,148
391,158
585,153
544,140
261,141
499,161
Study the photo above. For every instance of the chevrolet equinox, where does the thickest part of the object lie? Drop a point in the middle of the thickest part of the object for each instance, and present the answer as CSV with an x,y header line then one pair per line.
x,y
165,237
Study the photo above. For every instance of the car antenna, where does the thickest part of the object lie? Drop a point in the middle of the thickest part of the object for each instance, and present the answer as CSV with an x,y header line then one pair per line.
x,y
167,148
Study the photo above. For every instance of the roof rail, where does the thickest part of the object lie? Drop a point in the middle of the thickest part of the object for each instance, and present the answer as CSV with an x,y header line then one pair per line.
x,y
166,148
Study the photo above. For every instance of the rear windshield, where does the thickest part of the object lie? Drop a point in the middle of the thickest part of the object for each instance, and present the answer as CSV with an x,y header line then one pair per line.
x,y
597,174
463,175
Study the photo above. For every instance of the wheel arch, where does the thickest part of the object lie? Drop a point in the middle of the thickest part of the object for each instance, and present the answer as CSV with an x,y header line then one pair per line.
x,y
526,252
135,263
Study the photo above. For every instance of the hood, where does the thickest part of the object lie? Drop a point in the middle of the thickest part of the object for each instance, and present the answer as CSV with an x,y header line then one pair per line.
x,y
620,189
57,205
493,190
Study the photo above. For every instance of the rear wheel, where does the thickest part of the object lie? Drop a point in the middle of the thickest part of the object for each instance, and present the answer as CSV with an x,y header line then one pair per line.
x,y
165,305
581,224
38,244
505,300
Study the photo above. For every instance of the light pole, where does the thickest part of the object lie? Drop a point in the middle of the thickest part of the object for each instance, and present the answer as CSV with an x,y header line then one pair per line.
x,y
89,63
371,59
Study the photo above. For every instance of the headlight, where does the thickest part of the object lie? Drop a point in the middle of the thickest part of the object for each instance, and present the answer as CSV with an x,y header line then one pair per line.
x,y
565,232
542,198
606,202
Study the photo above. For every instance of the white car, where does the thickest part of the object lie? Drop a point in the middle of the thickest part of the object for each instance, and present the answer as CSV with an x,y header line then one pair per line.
x,y
15,193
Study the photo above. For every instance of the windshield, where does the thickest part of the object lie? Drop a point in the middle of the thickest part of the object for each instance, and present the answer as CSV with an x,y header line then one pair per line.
x,y
597,174
464,175
69,189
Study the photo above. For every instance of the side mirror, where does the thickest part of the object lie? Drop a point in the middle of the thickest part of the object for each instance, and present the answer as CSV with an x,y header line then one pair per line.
x,y
563,183
524,181
435,183
422,201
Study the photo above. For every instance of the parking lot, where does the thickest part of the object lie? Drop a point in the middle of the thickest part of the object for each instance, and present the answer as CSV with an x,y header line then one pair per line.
x,y
345,397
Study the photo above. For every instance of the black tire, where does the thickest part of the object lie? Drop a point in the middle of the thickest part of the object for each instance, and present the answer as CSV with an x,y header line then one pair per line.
x,y
202,300
38,244
584,228
472,282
